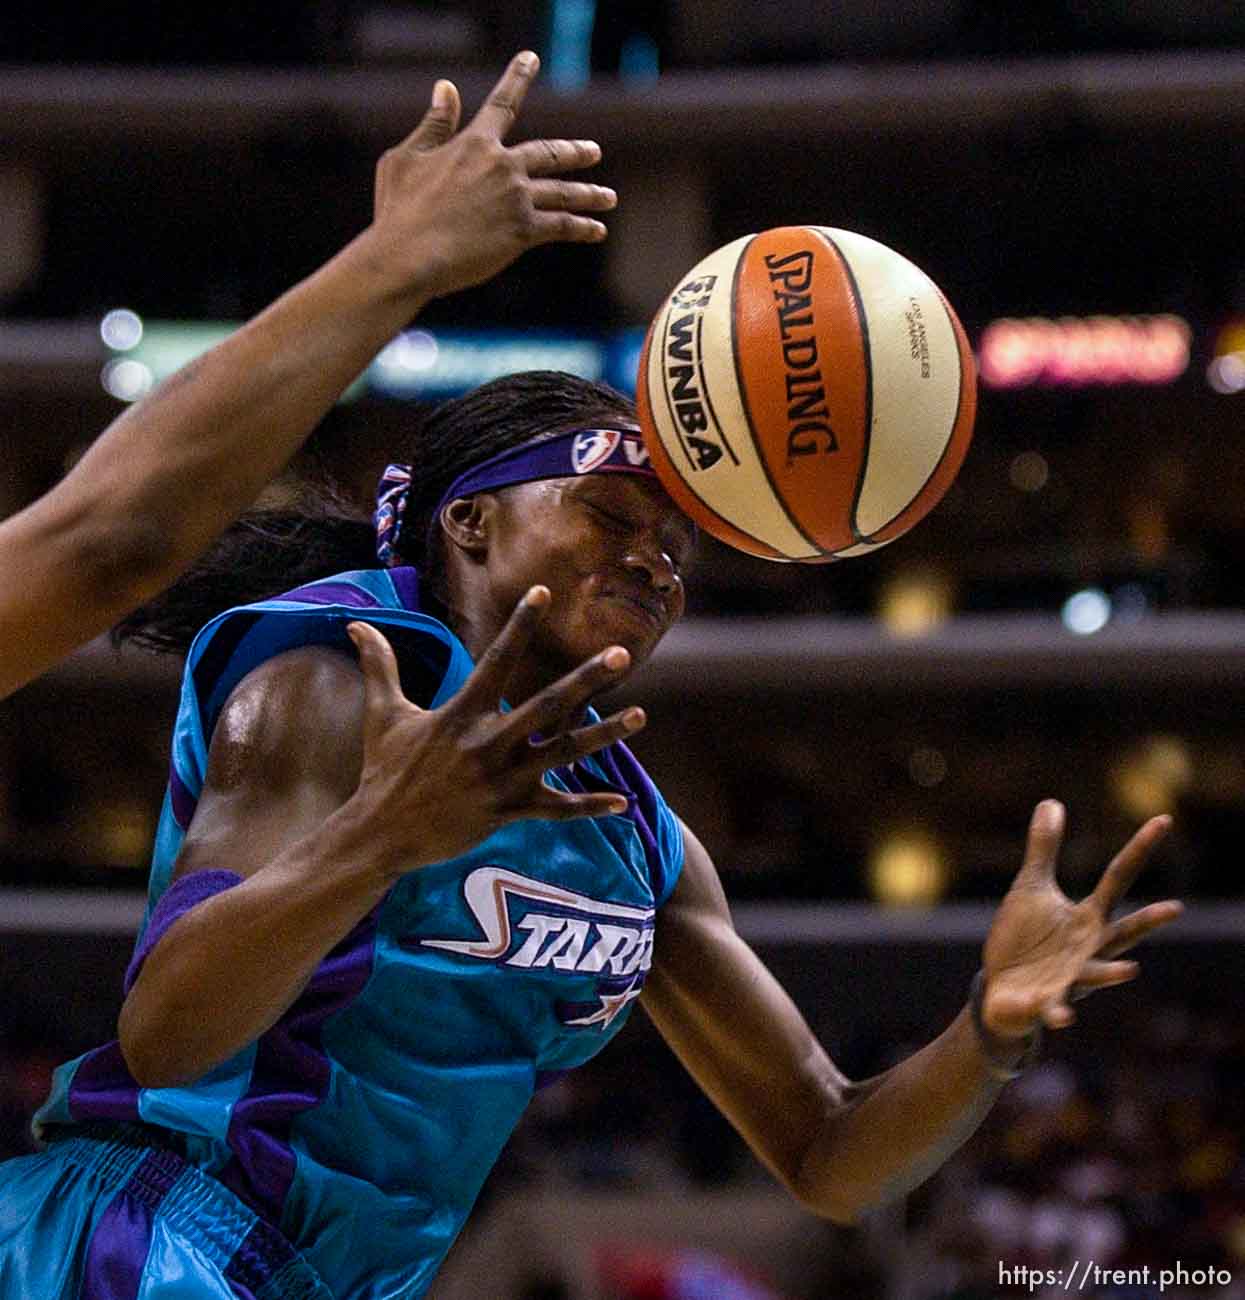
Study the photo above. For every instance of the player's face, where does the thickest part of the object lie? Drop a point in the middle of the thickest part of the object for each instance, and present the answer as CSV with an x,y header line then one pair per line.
x,y
611,548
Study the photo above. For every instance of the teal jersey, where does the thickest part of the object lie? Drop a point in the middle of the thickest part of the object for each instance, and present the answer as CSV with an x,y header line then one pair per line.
x,y
364,1123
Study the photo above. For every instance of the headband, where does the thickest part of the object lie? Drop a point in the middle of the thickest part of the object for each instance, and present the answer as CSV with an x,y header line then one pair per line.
x,y
581,451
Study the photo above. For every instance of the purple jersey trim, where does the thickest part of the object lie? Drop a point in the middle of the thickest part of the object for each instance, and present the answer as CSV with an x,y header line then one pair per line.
x,y
117,1254
333,593
291,1075
175,902
181,800
405,579
624,776
102,1087
622,767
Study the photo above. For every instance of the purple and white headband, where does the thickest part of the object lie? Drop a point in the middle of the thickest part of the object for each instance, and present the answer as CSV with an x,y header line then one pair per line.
x,y
581,451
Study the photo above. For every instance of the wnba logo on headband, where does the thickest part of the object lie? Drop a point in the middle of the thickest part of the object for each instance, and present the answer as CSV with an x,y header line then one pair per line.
x,y
579,451
594,447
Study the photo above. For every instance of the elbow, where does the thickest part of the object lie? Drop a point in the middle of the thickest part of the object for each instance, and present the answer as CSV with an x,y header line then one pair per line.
x,y
851,1210
829,1178
840,1204
843,1213
139,1049
847,1188
147,1048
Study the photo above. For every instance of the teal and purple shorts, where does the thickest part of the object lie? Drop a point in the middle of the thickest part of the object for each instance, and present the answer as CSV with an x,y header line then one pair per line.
x,y
122,1219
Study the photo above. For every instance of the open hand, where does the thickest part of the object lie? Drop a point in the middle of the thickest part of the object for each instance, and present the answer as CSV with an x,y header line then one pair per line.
x,y
453,208
1043,949
455,774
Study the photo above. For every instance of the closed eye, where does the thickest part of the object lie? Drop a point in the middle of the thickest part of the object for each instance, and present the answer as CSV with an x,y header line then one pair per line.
x,y
616,523
679,552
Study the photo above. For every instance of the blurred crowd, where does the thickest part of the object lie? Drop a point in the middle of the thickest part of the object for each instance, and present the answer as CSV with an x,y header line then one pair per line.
x,y
1129,1161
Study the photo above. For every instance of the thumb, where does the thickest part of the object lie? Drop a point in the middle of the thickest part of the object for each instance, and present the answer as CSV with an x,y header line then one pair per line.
x,y
441,120
382,686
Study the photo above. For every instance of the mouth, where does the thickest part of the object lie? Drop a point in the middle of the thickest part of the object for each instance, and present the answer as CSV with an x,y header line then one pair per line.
x,y
651,609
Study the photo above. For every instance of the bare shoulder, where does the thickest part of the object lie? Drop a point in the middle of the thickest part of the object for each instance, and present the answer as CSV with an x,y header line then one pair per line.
x,y
699,887
286,752
296,717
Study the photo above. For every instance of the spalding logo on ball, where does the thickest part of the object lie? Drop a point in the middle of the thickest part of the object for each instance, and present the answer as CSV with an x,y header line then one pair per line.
x,y
806,394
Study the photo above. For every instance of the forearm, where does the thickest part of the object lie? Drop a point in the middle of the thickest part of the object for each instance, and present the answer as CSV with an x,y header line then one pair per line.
x,y
174,470
888,1134
196,452
840,1147
227,969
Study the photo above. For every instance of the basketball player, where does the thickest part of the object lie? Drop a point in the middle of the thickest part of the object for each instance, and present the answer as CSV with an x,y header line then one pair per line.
x,y
451,210
332,1024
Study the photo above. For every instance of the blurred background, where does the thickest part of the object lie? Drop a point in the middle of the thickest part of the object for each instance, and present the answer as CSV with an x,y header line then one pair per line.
x,y
858,744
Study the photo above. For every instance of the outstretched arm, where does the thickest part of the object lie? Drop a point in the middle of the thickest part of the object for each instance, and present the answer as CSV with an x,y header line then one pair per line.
x,y
452,209
843,1147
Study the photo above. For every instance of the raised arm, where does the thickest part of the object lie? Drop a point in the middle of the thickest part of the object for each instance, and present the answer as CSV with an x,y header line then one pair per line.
x,y
452,208
842,1147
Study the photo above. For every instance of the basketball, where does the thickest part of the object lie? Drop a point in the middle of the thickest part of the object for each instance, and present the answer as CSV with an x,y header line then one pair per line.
x,y
806,394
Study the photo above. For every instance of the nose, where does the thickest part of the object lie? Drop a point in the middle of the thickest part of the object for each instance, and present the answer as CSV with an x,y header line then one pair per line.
x,y
648,558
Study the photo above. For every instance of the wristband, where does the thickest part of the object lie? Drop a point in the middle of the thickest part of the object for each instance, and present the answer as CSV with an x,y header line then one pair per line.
x,y
1003,1065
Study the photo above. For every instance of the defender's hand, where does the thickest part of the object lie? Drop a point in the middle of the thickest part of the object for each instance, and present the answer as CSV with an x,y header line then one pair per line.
x,y
453,208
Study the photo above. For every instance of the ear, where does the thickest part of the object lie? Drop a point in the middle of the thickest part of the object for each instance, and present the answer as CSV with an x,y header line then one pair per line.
x,y
466,522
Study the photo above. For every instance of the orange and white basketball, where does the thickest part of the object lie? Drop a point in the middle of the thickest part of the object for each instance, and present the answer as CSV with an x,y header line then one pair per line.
x,y
806,393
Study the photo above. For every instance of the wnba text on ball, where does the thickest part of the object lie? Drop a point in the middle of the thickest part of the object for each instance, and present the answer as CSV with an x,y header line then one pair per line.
x,y
808,415
685,377
695,294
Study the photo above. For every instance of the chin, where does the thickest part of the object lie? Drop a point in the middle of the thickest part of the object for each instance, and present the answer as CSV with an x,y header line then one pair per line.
x,y
640,636
638,643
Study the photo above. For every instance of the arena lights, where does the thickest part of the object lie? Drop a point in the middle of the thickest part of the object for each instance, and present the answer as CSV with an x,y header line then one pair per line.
x,y
1226,371
1029,471
423,364
1075,352
121,329
127,379
147,352
1086,612
418,365
912,603
1149,777
907,867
